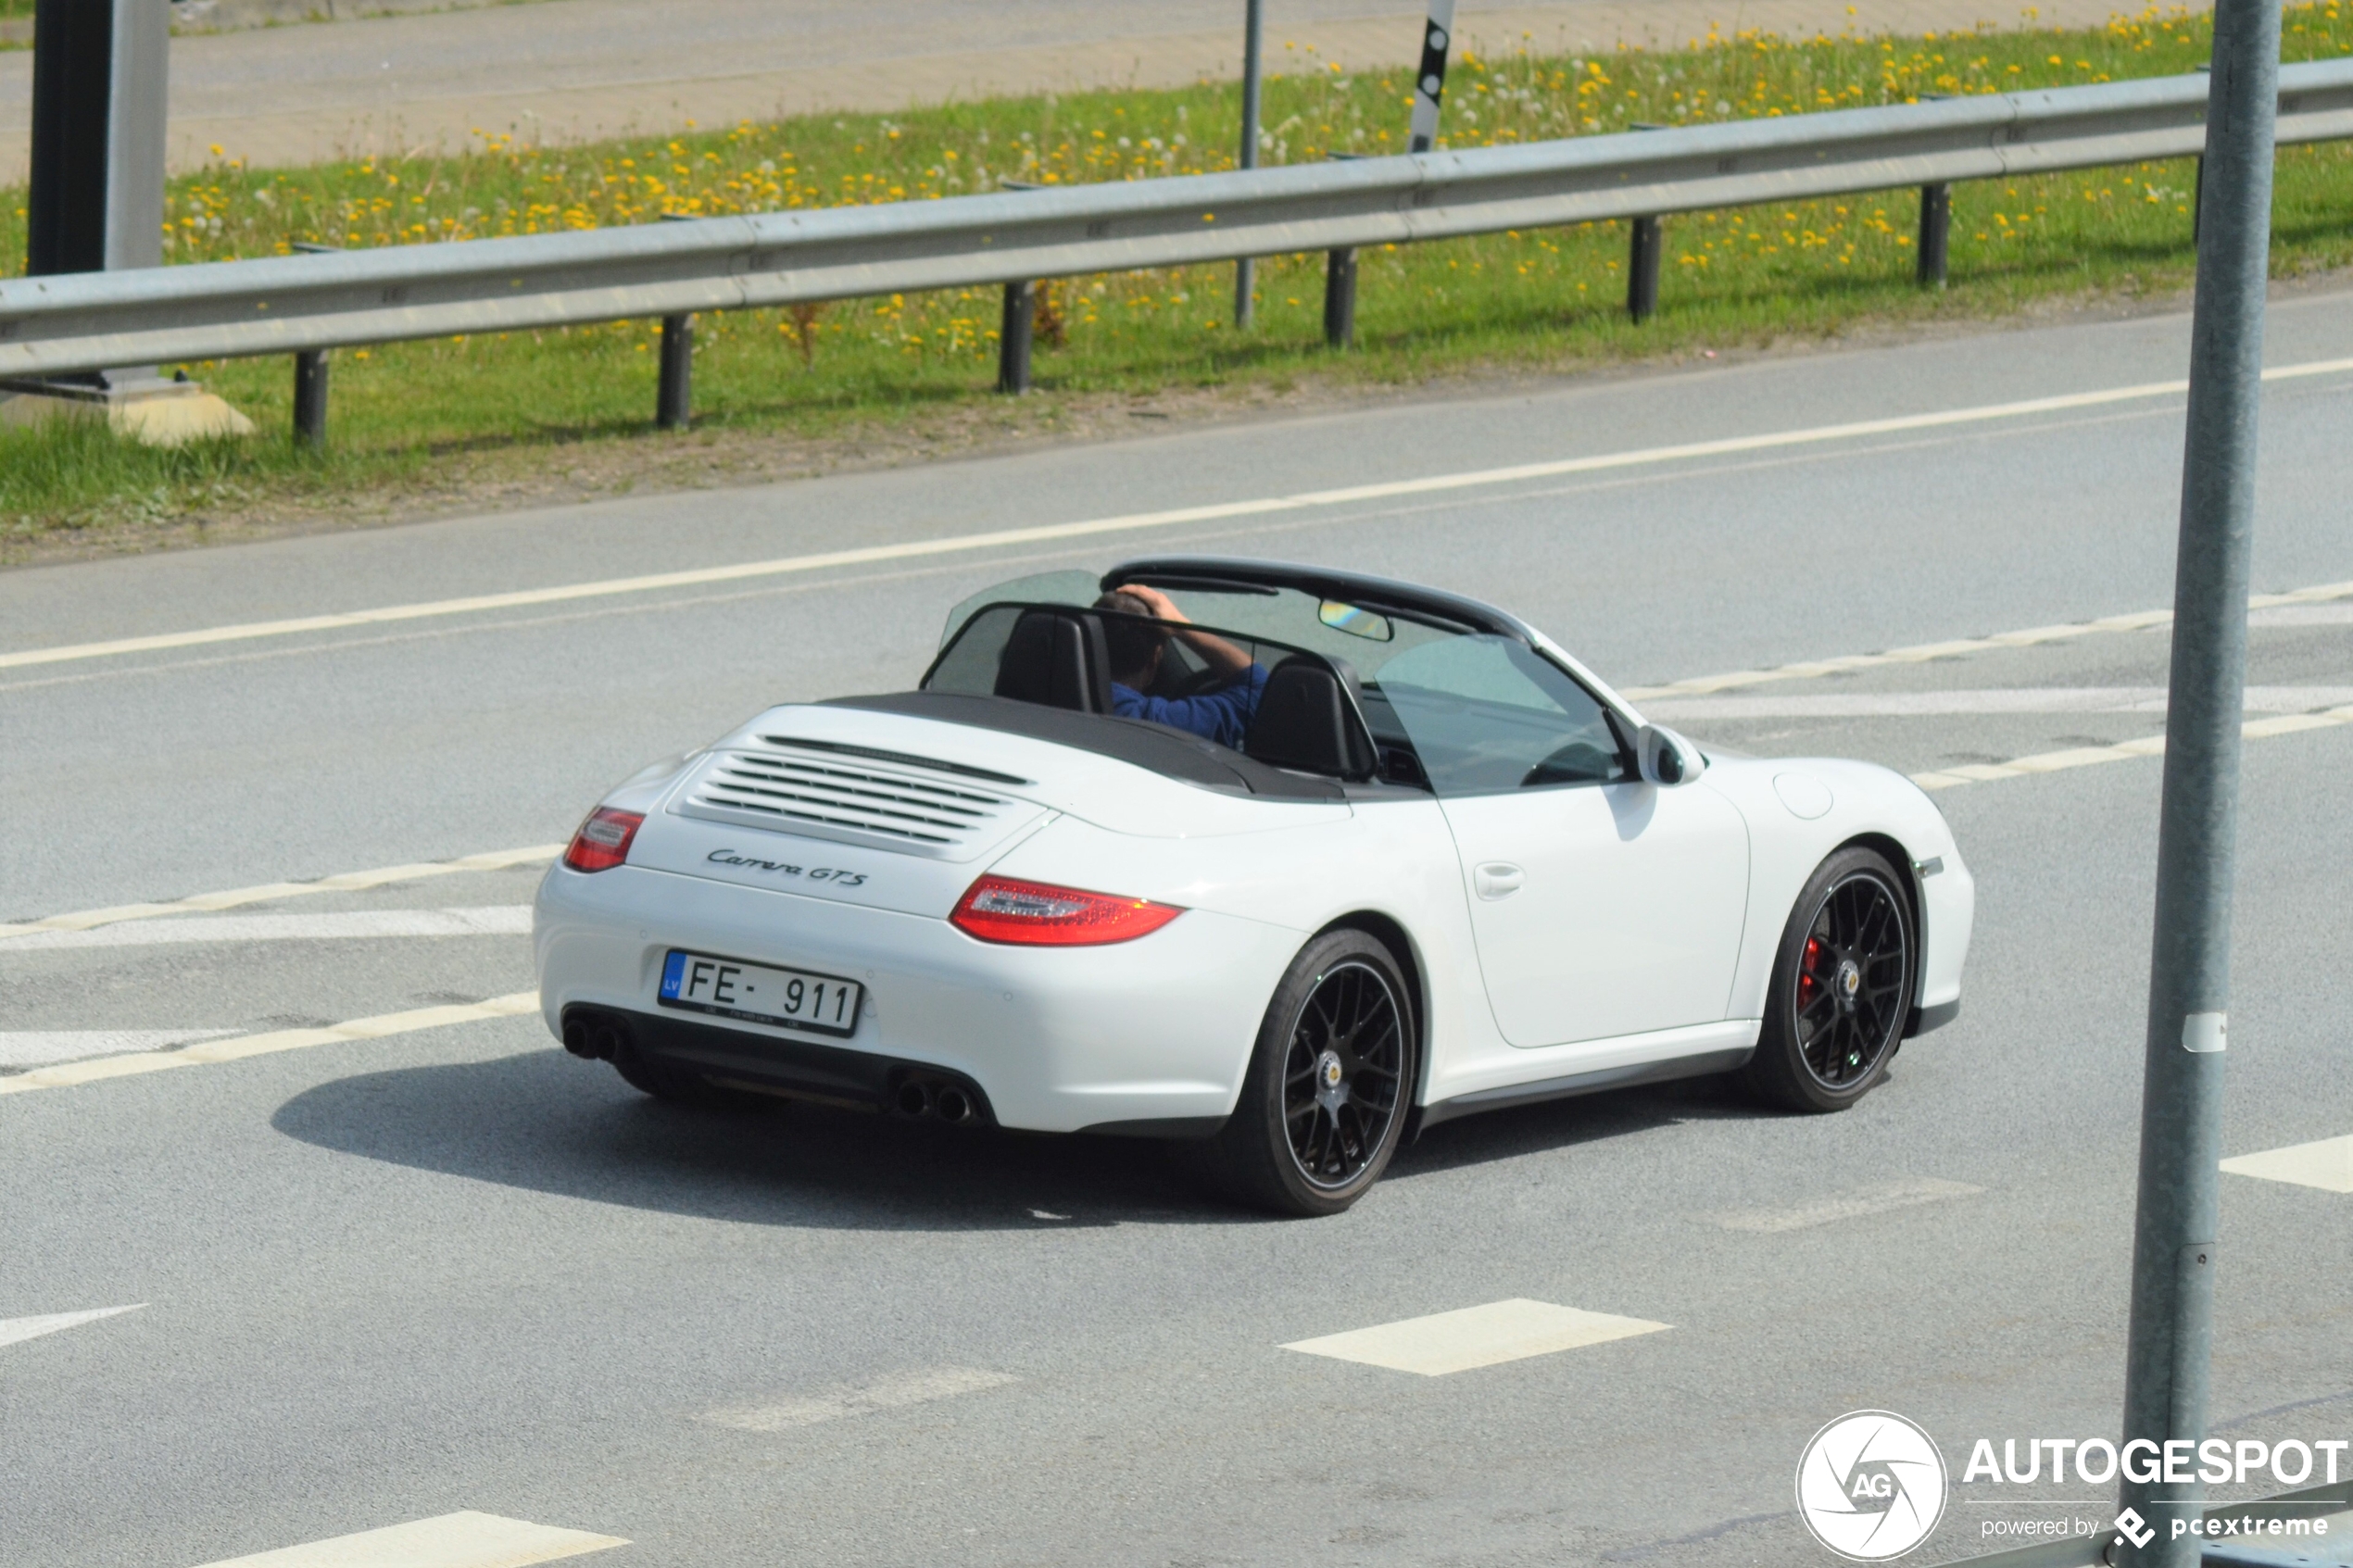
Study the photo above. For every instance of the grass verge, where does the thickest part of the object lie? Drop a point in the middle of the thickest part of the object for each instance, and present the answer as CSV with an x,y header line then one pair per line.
x,y
466,420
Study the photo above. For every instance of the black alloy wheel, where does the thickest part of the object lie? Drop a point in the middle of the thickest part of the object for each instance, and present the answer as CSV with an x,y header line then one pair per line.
x,y
1842,987
1340,1073
1323,1106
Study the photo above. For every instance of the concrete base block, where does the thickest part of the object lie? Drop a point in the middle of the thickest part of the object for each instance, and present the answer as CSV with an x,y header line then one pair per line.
x,y
152,412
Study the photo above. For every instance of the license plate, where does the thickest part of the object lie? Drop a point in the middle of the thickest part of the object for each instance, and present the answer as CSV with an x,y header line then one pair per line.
x,y
757,994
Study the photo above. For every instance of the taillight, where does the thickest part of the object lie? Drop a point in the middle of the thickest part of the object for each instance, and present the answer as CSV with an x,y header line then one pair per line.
x,y
602,842
1037,914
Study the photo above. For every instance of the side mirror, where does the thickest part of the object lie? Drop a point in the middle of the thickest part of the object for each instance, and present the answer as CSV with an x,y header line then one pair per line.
x,y
1667,757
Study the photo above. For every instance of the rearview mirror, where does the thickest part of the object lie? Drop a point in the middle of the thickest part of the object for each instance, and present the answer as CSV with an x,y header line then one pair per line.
x,y
1667,757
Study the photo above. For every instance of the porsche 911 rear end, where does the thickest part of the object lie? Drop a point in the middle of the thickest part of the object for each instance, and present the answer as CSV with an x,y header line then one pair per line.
x,y
840,913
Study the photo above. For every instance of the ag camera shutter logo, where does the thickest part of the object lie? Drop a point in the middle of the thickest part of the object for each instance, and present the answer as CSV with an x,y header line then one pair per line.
x,y
1870,1485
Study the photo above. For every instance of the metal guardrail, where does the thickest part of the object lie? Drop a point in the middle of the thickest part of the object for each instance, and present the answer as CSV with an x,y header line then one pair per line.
x,y
73,323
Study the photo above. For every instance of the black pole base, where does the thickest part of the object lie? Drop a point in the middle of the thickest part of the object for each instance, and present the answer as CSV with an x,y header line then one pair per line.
x,y
310,399
673,404
1013,338
1340,298
1936,229
1641,270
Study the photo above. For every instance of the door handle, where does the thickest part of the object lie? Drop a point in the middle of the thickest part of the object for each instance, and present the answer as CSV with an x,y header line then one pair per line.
x,y
1497,879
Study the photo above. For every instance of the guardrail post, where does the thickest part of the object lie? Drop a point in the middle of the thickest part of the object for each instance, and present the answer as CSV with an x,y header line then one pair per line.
x,y
311,375
1340,298
310,399
1936,229
1641,270
673,404
1012,337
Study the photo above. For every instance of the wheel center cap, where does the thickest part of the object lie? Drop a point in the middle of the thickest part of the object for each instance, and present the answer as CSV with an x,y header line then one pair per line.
x,y
1327,1070
1850,979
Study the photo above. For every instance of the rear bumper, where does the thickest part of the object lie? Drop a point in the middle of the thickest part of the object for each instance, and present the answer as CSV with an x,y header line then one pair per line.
x,y
1158,1030
798,1068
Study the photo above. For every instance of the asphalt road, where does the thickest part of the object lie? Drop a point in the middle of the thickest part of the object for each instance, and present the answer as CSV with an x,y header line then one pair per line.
x,y
385,1279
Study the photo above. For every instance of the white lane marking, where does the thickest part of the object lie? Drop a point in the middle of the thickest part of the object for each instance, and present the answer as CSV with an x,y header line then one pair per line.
x,y
14,1329
239,1046
494,920
1878,1199
1474,1336
2327,1164
35,1048
1129,522
1997,700
2126,751
346,881
453,1540
2320,594
891,1392
2303,615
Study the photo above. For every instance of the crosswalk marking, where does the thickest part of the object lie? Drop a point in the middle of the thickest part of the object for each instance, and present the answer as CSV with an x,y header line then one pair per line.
x,y
2327,1164
14,1329
238,1047
1474,1336
452,1540
1852,1205
883,1393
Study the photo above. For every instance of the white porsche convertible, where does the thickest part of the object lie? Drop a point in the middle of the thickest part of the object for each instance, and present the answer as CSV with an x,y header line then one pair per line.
x,y
1284,862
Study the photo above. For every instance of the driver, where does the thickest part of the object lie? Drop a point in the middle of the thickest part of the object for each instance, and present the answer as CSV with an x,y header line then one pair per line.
x,y
1221,714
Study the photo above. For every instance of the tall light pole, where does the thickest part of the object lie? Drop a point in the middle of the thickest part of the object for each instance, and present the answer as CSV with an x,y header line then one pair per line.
x,y
1253,65
2175,1235
99,74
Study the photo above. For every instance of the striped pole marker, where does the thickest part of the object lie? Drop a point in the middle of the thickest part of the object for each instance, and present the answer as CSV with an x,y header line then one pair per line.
x,y
1429,82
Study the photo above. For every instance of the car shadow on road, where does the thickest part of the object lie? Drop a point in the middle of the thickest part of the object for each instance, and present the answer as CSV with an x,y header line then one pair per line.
x,y
1554,1124
541,1122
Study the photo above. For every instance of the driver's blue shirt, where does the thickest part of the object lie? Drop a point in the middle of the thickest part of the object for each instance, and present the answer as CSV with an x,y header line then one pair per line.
x,y
1223,715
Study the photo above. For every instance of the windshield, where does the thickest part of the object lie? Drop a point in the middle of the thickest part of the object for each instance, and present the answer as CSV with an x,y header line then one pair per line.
x,y
1366,638
1449,709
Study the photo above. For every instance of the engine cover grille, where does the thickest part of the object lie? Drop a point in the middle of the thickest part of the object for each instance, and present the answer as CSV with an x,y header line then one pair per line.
x,y
820,794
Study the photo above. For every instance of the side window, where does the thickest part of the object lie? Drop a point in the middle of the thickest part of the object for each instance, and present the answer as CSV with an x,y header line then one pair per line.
x,y
1488,715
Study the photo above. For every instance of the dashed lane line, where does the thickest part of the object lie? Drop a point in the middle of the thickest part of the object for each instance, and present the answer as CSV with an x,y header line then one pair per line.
x,y
238,1047
494,920
1921,652
453,1540
1474,1336
2125,751
1126,523
38,1047
348,882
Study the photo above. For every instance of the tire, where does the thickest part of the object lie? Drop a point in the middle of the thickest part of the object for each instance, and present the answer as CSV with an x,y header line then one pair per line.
x,y
1841,989
1331,1078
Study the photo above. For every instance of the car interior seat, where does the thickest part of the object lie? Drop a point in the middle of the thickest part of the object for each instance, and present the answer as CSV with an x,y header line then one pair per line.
x,y
1057,659
1306,720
